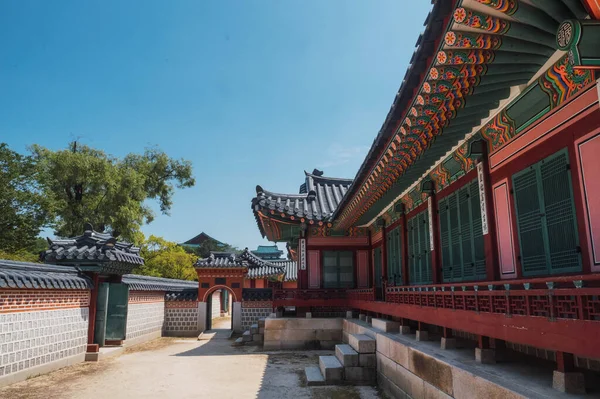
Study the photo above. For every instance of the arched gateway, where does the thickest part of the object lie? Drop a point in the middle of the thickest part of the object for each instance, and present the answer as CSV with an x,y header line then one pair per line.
x,y
227,271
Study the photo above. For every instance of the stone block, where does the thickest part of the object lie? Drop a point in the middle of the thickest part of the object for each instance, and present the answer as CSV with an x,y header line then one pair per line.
x,y
298,335
346,355
362,317
345,337
399,353
369,319
329,345
448,343
273,316
348,314
468,386
404,330
406,381
367,360
257,337
254,328
273,335
261,322
360,374
431,392
246,336
391,389
568,382
331,368
385,325
308,315
275,324
431,370
422,335
261,330
329,335
362,343
383,344
271,345
485,356
314,376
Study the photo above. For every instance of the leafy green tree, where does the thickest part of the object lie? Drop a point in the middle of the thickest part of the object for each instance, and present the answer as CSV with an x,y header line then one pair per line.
x,y
24,209
87,185
164,258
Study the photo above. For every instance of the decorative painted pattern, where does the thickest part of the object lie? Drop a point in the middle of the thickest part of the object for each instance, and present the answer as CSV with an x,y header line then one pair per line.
x,y
474,19
498,131
473,40
460,57
562,81
440,177
508,7
461,156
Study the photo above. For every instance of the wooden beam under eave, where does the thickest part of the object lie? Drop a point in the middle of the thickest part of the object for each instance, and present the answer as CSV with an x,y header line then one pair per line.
x,y
593,7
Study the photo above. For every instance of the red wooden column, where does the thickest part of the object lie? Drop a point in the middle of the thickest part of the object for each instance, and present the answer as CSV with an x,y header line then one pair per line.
x,y
91,347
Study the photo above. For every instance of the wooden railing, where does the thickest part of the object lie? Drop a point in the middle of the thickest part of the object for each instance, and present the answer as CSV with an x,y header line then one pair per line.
x,y
257,294
362,294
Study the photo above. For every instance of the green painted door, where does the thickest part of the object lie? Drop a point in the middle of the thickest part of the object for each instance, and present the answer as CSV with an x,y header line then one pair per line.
x,y
462,246
546,222
377,263
116,318
419,251
101,307
394,258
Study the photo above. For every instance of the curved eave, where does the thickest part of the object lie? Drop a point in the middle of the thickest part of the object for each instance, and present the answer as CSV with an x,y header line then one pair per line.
x,y
469,58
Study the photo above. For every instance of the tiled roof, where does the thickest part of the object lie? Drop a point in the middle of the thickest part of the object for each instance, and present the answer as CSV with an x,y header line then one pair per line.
x,y
199,239
257,267
148,283
268,252
38,276
92,248
291,268
319,197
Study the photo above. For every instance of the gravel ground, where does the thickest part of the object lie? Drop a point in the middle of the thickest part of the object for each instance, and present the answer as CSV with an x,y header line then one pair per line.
x,y
186,368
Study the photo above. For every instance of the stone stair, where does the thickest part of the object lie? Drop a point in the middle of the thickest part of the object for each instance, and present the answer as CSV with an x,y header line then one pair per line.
x,y
353,364
254,336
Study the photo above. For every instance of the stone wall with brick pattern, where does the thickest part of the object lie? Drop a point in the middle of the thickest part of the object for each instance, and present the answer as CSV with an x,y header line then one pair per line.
x,y
254,310
181,318
145,315
39,328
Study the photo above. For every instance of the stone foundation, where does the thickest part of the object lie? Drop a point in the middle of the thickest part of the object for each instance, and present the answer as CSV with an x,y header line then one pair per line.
x,y
290,333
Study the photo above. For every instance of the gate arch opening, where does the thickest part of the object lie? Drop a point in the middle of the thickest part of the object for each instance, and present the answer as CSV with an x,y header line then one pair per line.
x,y
219,308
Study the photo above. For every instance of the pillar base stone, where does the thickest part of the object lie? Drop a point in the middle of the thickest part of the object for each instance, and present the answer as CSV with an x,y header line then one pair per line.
x,y
422,335
369,319
485,356
404,330
568,382
308,315
348,314
362,317
448,343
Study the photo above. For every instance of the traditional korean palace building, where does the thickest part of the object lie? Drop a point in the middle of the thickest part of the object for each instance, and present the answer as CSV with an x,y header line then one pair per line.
x,y
476,210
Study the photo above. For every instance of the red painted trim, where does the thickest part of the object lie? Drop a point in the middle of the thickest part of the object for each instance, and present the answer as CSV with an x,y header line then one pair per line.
x,y
592,7
457,185
422,207
338,241
362,268
211,290
590,213
314,268
92,310
572,336
506,254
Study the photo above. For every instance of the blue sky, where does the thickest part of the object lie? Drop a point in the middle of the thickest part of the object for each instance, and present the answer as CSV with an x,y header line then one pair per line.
x,y
251,91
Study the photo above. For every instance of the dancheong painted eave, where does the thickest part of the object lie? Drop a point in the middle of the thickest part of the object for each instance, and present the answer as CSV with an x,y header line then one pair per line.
x,y
470,55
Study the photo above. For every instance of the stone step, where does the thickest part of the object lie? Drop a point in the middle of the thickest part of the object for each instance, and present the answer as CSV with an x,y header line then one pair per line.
x,y
362,343
314,376
238,342
360,375
386,325
254,328
331,369
247,336
261,322
367,360
346,355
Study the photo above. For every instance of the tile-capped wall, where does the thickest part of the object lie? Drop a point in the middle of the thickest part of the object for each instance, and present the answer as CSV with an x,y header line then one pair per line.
x,y
27,300
36,338
145,318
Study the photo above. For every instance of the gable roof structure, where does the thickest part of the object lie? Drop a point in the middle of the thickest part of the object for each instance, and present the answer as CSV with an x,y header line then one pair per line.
x,y
199,239
94,251
268,252
279,216
256,268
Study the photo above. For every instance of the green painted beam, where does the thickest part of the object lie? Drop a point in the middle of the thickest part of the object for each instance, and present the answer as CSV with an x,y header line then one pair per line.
x,y
582,40
482,41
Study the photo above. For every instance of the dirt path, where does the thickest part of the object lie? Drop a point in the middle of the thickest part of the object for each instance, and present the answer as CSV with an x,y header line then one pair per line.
x,y
186,368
